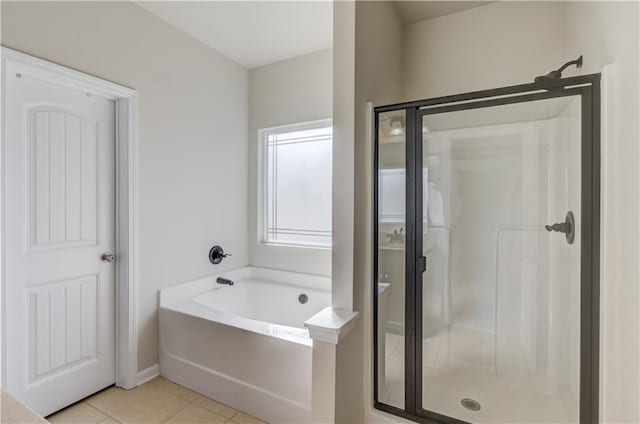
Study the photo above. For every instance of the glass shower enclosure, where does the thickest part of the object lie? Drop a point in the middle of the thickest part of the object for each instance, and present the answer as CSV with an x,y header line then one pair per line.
x,y
486,255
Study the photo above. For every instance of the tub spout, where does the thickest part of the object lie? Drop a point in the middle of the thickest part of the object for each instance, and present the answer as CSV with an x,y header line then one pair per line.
x,y
226,281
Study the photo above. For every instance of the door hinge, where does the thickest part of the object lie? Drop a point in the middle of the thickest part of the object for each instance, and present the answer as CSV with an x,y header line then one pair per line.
x,y
422,264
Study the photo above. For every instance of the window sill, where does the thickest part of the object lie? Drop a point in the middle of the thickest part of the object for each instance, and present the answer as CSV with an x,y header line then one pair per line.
x,y
293,245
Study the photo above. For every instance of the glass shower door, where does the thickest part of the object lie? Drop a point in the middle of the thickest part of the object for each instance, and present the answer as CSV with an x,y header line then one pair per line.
x,y
486,255
500,314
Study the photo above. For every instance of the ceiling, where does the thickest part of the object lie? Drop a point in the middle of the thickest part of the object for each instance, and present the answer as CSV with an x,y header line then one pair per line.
x,y
411,12
252,33
256,33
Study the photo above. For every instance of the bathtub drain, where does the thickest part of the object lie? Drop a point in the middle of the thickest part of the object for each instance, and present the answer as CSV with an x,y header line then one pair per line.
x,y
303,298
470,404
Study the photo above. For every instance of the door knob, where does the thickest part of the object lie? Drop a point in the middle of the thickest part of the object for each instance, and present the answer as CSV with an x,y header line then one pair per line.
x,y
568,227
108,257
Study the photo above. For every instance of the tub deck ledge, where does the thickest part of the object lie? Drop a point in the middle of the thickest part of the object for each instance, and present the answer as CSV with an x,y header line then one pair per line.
x,y
331,325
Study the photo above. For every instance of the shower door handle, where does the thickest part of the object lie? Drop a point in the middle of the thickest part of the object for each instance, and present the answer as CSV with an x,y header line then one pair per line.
x,y
568,227
560,227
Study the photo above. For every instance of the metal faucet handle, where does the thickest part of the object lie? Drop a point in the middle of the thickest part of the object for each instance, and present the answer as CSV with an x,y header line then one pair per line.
x,y
396,235
216,255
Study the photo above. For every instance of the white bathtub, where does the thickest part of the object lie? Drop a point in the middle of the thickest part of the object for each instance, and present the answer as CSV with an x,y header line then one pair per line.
x,y
244,345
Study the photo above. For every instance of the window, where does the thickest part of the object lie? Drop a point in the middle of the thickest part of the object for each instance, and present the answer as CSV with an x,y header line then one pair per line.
x,y
296,184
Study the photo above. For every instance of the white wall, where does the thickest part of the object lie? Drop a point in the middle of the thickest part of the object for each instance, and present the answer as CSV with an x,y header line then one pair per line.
x,y
193,111
496,45
608,35
287,92
344,38
376,32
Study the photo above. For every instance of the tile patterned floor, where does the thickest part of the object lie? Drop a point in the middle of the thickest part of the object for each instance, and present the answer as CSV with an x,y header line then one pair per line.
x,y
155,402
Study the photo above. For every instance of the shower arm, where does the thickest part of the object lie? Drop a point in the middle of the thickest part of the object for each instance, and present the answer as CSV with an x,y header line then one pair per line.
x,y
577,62
557,74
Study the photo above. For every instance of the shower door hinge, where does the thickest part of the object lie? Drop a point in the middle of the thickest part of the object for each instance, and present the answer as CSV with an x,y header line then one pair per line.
x,y
422,264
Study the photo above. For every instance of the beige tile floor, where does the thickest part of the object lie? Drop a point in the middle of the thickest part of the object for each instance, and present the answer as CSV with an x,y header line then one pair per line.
x,y
155,402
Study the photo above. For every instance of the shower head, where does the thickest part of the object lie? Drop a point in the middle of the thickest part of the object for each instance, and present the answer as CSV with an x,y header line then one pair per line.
x,y
557,74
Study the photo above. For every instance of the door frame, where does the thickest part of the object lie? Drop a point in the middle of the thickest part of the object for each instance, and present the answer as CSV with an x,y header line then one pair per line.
x,y
587,87
127,200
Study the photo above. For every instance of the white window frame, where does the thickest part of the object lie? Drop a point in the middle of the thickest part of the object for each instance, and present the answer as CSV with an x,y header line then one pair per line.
x,y
262,180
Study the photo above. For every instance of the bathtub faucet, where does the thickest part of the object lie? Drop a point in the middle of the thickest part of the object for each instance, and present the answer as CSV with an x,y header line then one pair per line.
x,y
226,281
216,255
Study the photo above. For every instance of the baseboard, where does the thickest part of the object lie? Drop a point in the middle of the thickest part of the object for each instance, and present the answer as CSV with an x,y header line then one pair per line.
x,y
148,374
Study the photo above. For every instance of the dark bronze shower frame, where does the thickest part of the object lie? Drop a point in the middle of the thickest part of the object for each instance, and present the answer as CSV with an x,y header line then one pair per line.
x,y
588,88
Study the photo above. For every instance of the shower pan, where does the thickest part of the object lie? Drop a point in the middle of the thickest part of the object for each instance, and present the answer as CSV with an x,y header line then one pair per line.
x,y
486,309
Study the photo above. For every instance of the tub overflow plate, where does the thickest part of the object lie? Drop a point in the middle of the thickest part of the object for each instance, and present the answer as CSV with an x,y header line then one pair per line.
x,y
470,404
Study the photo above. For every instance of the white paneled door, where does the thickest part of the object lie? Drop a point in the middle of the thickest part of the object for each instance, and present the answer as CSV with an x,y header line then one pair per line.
x,y
60,223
